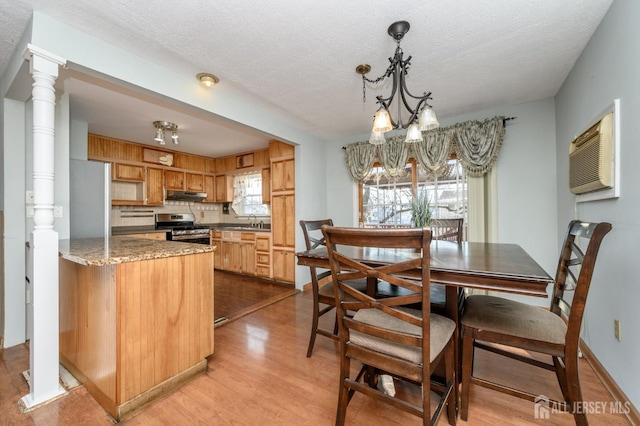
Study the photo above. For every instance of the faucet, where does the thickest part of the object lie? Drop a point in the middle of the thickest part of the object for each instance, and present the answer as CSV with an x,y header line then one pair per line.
x,y
255,221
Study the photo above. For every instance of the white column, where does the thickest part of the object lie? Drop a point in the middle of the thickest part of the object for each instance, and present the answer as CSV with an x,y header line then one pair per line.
x,y
44,346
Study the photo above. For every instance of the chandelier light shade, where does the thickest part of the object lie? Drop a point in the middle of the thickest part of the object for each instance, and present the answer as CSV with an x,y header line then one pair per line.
x,y
421,117
377,138
161,127
413,134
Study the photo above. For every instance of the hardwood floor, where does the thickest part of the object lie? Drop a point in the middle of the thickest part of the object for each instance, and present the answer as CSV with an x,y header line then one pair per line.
x,y
237,295
259,374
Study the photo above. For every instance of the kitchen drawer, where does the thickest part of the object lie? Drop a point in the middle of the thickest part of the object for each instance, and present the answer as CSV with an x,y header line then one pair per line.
x,y
216,234
248,236
263,258
262,244
263,271
230,235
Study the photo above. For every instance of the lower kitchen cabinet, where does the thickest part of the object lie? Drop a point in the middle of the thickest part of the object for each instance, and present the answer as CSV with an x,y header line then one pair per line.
x,y
248,257
284,265
263,255
231,256
237,252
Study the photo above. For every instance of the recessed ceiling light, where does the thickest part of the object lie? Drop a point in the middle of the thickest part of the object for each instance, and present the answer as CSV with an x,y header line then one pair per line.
x,y
207,79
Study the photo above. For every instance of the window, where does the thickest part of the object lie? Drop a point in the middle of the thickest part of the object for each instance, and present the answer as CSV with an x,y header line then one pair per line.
x,y
385,201
247,195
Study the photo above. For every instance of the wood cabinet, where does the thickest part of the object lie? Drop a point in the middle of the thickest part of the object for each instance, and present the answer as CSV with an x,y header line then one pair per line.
x,y
128,172
194,182
263,255
179,180
283,175
243,252
283,220
266,186
248,257
283,264
283,209
131,333
230,256
174,179
210,188
224,188
216,240
154,187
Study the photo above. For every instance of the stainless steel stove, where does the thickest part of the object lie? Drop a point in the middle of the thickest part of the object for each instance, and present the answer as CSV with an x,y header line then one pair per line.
x,y
183,228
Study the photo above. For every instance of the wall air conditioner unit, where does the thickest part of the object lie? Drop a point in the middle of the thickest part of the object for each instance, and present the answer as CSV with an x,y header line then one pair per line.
x,y
592,160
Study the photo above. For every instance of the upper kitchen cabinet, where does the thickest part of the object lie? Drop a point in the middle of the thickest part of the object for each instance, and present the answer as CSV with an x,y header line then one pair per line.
x,y
154,187
127,172
210,188
224,188
174,179
283,175
282,166
100,147
194,182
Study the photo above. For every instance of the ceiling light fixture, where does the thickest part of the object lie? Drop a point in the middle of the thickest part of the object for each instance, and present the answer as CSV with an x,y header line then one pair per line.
x,y
207,79
421,118
161,126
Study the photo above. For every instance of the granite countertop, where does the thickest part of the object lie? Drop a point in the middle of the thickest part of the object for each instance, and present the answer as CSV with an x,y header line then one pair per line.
x,y
122,249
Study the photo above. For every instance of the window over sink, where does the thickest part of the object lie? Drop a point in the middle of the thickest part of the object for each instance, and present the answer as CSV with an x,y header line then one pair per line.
x,y
247,195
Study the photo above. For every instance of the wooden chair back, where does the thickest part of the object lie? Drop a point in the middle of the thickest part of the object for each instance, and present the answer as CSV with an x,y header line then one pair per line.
x,y
447,229
409,270
574,273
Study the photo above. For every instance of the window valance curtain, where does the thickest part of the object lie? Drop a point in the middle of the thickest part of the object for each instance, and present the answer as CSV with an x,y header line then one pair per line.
x,y
476,144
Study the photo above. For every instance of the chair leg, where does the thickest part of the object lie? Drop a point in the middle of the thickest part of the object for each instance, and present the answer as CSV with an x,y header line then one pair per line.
x,y
314,327
572,380
343,392
450,374
467,369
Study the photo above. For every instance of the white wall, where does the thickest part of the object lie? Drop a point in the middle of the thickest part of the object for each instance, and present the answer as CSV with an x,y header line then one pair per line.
x,y
14,308
607,69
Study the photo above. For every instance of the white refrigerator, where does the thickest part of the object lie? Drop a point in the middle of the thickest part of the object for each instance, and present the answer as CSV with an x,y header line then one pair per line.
x,y
90,199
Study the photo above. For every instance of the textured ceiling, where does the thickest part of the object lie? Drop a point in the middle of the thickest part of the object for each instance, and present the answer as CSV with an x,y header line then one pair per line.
x,y
299,56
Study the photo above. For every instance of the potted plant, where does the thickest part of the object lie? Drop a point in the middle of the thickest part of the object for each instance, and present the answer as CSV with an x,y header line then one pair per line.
x,y
420,209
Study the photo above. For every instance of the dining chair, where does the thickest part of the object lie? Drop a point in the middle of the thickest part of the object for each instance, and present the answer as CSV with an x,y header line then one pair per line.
x,y
447,229
321,283
488,320
384,335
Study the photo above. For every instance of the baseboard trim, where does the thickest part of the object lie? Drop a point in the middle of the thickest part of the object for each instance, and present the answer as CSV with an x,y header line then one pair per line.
x,y
612,387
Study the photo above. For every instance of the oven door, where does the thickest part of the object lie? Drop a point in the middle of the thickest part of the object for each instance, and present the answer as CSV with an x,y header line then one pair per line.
x,y
194,239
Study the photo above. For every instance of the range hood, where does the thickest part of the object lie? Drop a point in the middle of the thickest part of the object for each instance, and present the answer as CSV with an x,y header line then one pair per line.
x,y
185,196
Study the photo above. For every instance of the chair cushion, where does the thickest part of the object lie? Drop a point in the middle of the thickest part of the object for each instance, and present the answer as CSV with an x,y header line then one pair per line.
x,y
500,315
441,331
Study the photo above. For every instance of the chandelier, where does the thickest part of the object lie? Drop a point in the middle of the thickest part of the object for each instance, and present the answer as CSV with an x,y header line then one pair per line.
x,y
421,118
161,126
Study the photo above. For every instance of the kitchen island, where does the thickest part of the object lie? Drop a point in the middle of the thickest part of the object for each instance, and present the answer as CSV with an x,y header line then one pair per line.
x,y
136,317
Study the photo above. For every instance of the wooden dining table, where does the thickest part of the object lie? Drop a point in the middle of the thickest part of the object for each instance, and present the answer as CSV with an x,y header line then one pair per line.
x,y
481,266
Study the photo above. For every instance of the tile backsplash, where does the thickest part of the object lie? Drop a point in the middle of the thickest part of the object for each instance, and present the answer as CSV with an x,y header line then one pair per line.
x,y
144,215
